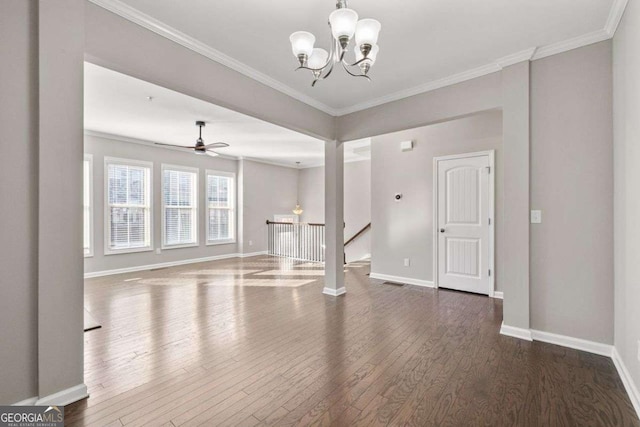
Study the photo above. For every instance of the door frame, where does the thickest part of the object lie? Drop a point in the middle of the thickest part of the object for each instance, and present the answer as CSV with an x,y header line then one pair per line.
x,y
492,225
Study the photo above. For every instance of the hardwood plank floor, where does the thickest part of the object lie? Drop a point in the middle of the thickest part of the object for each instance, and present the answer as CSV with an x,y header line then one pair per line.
x,y
253,341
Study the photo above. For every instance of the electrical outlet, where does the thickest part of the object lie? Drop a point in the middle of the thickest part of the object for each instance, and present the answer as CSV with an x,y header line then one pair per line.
x,y
158,251
536,217
407,262
250,242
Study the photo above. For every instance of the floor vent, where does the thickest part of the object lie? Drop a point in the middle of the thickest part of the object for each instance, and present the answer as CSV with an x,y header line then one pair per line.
x,y
393,283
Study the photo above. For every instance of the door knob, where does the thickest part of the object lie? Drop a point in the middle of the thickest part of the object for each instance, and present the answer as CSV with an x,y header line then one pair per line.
x,y
442,230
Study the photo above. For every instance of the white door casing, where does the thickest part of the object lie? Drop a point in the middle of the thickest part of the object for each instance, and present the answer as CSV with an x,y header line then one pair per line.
x,y
463,229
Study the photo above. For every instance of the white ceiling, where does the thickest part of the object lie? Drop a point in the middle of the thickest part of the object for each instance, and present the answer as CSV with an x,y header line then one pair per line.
x,y
116,106
421,42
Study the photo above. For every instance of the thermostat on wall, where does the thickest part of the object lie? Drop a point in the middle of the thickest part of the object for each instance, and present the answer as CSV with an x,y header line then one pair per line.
x,y
406,145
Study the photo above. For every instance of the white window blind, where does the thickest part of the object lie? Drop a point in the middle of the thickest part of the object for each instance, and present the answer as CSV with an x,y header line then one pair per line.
x,y
128,206
220,207
87,167
180,200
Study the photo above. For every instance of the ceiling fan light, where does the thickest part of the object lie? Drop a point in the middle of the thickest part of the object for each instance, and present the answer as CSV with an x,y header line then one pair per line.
x,y
318,58
367,31
302,43
343,22
212,154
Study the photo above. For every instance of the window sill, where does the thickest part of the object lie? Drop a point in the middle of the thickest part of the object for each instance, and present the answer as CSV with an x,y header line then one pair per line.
x,y
108,251
221,242
186,245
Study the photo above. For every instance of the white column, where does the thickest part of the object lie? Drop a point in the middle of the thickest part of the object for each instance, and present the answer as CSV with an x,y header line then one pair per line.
x,y
334,218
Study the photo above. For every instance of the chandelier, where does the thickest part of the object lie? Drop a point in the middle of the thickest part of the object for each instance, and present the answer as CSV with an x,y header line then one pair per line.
x,y
344,24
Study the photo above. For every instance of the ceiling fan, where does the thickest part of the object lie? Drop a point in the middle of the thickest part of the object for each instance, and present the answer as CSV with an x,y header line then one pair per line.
x,y
200,147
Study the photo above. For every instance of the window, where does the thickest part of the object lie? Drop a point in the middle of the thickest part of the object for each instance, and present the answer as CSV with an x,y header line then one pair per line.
x,y
87,195
179,206
128,206
220,207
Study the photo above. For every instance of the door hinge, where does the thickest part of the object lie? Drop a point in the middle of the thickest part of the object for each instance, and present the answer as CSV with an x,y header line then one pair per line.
x,y
489,273
489,221
488,169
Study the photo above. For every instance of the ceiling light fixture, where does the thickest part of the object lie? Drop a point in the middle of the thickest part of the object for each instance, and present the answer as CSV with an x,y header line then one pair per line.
x,y
344,24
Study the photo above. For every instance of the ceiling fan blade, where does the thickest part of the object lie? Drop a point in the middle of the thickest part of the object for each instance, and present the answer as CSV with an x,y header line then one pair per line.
x,y
217,145
175,146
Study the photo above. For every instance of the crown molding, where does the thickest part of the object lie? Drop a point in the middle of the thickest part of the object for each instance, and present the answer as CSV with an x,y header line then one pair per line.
x,y
134,15
531,54
615,16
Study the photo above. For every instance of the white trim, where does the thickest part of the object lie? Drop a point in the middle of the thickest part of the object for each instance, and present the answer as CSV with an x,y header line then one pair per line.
x,y
334,292
195,215
158,265
89,158
27,402
615,16
627,380
514,332
120,8
498,295
234,207
65,397
570,44
107,217
492,201
134,15
250,254
514,58
406,280
571,342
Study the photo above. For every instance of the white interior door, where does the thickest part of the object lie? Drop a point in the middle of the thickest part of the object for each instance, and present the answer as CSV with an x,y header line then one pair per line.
x,y
463,223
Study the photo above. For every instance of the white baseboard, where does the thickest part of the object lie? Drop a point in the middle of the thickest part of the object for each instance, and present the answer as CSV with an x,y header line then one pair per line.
x,y
334,292
250,254
27,402
169,264
498,294
398,279
629,385
65,397
571,342
512,331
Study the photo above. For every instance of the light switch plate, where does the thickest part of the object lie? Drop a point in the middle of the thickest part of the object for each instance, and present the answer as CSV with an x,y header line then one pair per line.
x,y
407,262
536,217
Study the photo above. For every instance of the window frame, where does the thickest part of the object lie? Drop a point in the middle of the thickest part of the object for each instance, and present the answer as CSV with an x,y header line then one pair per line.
x,y
233,208
107,213
88,158
196,200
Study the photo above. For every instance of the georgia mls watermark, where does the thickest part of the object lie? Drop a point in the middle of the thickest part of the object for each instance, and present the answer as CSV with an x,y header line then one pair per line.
x,y
31,416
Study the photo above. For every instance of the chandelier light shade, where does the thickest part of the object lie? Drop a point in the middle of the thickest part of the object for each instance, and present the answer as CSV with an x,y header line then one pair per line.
x,y
302,43
298,210
367,32
344,25
318,58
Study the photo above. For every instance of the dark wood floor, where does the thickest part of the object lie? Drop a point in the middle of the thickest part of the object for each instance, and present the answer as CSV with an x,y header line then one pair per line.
x,y
235,343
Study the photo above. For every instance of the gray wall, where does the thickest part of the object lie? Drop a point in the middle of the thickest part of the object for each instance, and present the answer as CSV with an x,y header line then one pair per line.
x,y
357,203
266,190
19,185
572,183
405,229
626,109
101,148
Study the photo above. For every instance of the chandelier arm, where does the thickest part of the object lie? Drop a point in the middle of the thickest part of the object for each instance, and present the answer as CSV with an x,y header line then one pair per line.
x,y
356,63
344,65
